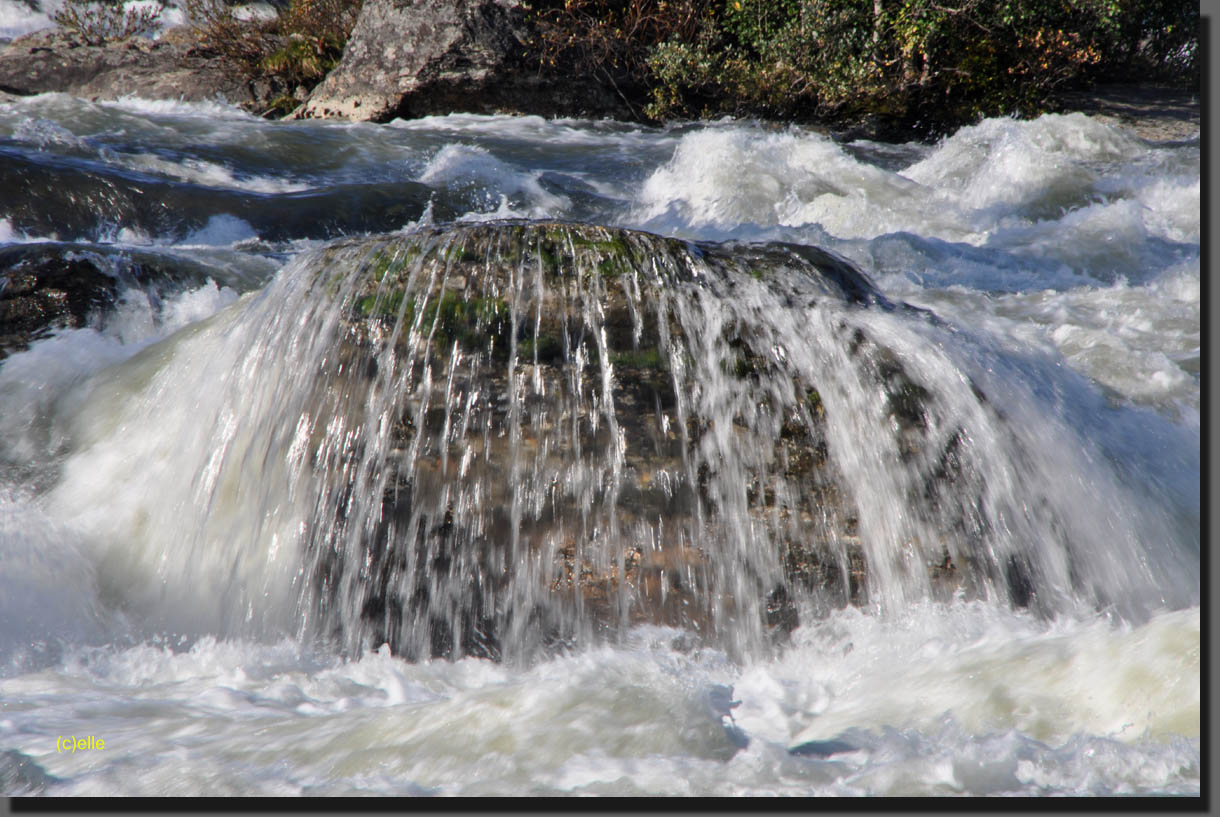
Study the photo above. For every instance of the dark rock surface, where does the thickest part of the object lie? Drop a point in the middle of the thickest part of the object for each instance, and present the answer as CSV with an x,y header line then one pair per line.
x,y
47,286
410,58
43,291
169,68
20,776
1158,113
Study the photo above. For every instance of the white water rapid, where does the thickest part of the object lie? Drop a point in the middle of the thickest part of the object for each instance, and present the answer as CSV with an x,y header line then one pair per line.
x,y
383,473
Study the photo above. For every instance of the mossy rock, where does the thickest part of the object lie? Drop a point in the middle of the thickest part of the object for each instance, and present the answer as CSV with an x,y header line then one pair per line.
x,y
550,458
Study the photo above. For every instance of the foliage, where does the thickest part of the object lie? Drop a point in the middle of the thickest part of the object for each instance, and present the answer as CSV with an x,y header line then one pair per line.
x,y
946,61
98,22
296,47
613,39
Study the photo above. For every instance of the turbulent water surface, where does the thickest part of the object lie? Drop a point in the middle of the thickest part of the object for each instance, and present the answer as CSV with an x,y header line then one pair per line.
x,y
159,534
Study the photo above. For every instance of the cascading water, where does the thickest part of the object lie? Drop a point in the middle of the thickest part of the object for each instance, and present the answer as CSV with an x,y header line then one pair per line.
x,y
525,503
482,439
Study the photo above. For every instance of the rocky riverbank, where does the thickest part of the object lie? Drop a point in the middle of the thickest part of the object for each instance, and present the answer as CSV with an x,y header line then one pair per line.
x,y
172,67
428,58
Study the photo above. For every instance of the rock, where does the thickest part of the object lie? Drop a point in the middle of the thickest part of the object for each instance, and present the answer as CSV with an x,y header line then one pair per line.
x,y
1156,112
21,776
47,286
170,68
39,294
410,58
589,427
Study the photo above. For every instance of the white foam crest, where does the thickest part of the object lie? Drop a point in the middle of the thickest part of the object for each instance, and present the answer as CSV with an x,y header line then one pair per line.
x,y
11,235
210,174
221,230
1173,208
738,175
47,592
177,107
1011,164
504,210
963,699
1107,239
40,385
989,669
45,133
123,489
997,176
1143,342
212,547
533,128
477,169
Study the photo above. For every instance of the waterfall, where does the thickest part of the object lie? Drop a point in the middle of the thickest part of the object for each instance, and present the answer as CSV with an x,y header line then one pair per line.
x,y
501,438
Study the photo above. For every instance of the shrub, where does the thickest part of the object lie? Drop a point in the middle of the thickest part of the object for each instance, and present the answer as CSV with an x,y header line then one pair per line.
x,y
242,40
98,22
943,61
614,39
296,47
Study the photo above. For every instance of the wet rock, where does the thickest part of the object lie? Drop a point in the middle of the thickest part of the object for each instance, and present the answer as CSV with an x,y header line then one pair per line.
x,y
572,442
46,286
83,202
410,58
41,294
172,68
21,776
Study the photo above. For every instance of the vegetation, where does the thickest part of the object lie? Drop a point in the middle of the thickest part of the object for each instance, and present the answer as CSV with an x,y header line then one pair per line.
x,y
98,22
294,48
908,65
940,61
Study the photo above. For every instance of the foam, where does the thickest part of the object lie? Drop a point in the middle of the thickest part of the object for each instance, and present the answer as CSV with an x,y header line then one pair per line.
x,y
475,169
17,19
953,701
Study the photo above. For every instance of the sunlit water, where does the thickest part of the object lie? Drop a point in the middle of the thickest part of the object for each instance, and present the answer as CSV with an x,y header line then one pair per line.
x,y
1061,255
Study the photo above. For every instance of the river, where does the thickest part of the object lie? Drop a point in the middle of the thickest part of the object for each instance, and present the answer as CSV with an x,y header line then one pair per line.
x,y
1060,257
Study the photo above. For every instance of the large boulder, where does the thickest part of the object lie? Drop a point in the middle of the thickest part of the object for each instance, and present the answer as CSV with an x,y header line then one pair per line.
x,y
170,68
409,58
537,430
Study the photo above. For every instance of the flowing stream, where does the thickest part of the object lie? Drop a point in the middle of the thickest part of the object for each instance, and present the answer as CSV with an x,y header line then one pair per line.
x,y
501,456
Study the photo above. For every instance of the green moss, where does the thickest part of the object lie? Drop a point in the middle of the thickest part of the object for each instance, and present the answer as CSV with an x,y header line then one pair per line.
x,y
547,347
613,244
546,252
813,401
282,105
380,305
460,253
649,358
472,322
611,267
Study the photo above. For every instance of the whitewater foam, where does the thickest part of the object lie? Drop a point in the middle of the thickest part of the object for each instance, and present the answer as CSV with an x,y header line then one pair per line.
x,y
1061,258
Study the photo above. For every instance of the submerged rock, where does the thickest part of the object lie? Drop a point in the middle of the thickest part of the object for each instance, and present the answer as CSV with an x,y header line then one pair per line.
x,y
20,776
551,429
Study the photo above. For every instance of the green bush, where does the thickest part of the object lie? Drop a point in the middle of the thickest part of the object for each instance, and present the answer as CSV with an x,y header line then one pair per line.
x,y
905,61
98,22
